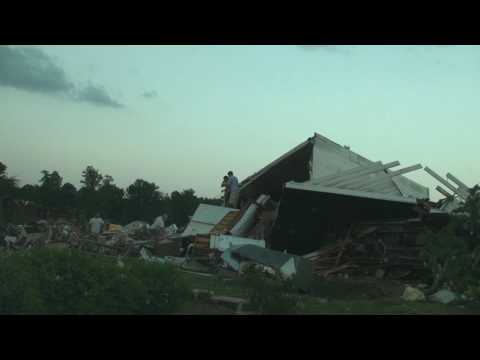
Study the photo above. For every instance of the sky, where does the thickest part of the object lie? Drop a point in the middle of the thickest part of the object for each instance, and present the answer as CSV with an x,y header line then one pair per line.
x,y
182,116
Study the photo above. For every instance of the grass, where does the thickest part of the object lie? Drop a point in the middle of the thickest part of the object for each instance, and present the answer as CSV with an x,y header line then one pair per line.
x,y
382,306
220,285
55,281
339,296
66,281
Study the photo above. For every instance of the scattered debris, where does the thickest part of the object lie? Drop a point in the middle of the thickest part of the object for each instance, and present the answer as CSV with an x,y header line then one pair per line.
x,y
413,294
319,209
443,296
291,267
224,242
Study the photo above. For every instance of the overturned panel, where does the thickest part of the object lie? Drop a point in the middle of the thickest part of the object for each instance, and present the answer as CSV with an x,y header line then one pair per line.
x,y
411,189
205,218
224,242
292,166
330,158
306,217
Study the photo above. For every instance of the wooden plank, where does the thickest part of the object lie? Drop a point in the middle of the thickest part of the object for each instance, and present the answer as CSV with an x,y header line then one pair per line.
x,y
389,176
355,177
443,191
342,174
458,182
460,193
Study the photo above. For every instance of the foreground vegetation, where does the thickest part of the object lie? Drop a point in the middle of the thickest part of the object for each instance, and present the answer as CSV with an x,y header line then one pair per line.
x,y
334,296
60,281
53,281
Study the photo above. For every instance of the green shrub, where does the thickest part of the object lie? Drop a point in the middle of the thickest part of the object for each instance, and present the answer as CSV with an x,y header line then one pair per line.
x,y
269,294
450,259
56,281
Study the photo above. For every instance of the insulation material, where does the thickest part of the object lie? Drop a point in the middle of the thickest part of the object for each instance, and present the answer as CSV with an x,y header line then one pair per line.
x,y
246,221
205,218
224,242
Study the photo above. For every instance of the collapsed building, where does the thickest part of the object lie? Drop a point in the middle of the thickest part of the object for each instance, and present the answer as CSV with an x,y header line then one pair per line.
x,y
317,194
322,186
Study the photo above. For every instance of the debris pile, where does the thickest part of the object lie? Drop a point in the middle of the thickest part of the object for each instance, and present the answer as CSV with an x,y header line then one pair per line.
x,y
362,217
385,249
115,240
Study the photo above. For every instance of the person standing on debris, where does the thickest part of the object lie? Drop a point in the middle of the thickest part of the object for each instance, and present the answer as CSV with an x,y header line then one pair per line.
x,y
158,226
225,190
232,186
96,224
159,222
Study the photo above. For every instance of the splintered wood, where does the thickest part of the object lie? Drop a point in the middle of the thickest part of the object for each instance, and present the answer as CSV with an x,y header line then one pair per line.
x,y
390,247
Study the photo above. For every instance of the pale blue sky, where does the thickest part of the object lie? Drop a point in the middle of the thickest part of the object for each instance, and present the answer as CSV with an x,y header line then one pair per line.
x,y
216,108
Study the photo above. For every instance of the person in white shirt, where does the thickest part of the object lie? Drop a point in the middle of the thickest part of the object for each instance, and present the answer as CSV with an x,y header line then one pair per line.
x,y
233,189
96,224
159,222
158,227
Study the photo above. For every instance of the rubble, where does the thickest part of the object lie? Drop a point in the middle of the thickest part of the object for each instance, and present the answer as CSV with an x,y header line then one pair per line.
x,y
444,296
320,209
413,294
291,267
382,249
224,242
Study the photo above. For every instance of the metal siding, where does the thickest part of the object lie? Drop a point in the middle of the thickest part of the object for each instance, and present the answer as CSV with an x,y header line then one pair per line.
x,y
329,158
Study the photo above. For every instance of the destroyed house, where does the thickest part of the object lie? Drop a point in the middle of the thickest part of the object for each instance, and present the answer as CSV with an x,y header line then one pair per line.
x,y
323,187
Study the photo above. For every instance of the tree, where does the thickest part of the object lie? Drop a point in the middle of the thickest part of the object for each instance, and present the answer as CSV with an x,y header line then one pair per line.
x,y
30,192
182,205
51,181
49,190
471,211
69,196
91,178
87,195
144,201
8,185
107,180
110,198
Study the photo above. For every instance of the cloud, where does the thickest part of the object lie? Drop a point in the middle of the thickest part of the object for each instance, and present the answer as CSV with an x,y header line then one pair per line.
x,y
33,70
97,95
149,94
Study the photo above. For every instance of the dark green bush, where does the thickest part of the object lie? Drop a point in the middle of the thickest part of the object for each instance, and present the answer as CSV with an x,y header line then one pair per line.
x,y
269,294
59,281
450,260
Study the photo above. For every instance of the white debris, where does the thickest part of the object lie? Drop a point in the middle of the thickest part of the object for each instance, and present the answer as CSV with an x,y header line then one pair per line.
x,y
443,296
224,242
413,294
10,240
147,257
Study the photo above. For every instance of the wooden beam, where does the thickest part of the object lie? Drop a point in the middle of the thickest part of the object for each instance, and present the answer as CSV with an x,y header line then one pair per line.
x,y
341,174
460,193
354,178
443,191
389,176
458,182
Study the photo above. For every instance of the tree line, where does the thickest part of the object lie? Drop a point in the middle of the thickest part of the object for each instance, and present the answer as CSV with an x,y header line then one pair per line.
x,y
98,193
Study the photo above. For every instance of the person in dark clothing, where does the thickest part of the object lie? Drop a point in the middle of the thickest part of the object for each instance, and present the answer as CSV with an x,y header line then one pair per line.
x,y
225,190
